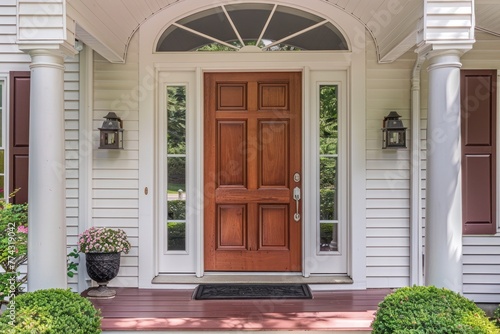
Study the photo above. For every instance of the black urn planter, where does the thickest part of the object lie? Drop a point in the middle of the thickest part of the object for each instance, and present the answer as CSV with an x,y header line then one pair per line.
x,y
102,268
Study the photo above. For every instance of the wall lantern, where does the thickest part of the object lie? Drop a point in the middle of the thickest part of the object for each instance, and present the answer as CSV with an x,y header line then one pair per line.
x,y
393,131
111,132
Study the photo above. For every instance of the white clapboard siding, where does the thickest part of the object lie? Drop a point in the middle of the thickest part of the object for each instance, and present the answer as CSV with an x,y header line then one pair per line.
x,y
481,254
388,174
115,174
71,113
11,59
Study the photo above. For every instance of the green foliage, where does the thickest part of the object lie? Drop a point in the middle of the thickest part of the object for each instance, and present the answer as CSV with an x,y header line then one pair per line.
x,y
176,230
328,119
326,233
72,266
176,236
220,47
10,285
54,311
176,167
176,120
328,148
327,204
13,236
496,316
176,136
216,47
421,309
176,210
13,248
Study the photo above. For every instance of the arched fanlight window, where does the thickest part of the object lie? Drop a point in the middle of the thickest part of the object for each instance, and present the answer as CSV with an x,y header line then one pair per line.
x,y
251,27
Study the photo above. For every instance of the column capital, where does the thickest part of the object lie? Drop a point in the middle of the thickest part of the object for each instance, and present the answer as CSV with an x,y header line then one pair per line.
x,y
444,59
46,58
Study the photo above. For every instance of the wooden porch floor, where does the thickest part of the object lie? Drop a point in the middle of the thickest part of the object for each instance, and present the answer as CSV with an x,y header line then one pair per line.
x,y
175,310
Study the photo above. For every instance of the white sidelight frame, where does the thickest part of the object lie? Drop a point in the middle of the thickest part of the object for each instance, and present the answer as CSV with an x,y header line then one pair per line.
x,y
325,262
180,261
155,66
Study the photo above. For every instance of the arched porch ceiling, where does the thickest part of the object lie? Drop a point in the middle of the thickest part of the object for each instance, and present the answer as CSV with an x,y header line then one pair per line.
x,y
107,26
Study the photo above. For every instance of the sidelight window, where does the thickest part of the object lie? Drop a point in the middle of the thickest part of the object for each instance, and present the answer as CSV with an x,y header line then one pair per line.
x,y
176,169
328,169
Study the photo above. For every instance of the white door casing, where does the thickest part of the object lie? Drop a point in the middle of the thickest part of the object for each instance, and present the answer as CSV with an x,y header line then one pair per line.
x,y
345,68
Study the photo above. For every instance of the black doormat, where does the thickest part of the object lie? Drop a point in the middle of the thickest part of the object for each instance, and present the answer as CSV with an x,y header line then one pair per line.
x,y
252,291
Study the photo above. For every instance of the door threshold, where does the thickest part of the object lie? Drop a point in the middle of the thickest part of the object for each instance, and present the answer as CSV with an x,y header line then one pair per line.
x,y
250,278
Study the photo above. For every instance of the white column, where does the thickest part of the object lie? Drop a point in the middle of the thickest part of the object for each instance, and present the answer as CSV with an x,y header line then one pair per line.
x,y
46,209
443,234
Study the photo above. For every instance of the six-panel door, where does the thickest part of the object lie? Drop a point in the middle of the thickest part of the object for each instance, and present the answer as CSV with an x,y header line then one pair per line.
x,y
252,151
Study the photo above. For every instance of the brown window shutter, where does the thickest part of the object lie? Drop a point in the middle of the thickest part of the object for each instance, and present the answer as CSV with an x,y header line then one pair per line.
x,y
19,134
478,117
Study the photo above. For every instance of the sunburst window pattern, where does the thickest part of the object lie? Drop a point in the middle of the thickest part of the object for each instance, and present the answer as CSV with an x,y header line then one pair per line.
x,y
251,27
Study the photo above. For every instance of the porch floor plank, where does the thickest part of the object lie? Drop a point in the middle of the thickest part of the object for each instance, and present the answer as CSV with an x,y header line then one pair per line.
x,y
175,310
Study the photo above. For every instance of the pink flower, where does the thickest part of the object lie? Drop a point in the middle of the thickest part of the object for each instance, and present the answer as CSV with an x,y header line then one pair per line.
x,y
22,229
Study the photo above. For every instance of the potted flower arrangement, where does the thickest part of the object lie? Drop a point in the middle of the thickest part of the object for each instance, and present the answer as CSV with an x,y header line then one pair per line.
x,y
102,247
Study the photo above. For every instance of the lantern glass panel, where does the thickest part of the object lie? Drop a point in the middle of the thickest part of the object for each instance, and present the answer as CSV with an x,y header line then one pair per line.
x,y
110,138
395,138
120,139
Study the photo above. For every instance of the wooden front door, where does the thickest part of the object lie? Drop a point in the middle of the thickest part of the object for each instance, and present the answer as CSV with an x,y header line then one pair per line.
x,y
252,153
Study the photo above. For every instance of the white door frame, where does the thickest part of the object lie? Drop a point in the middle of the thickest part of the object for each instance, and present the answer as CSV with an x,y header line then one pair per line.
x,y
152,64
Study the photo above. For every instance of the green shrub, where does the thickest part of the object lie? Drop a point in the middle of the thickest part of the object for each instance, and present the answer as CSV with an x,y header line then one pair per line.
x,y
427,309
176,209
54,311
176,236
327,204
13,248
496,316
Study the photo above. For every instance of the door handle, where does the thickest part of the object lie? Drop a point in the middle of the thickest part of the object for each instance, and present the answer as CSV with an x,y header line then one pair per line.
x,y
296,197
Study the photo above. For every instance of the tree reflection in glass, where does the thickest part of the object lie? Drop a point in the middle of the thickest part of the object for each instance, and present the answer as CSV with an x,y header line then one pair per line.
x,y
176,168
328,168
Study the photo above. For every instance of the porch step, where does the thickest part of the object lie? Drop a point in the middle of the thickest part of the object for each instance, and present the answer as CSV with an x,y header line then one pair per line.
x,y
169,311
241,331
250,279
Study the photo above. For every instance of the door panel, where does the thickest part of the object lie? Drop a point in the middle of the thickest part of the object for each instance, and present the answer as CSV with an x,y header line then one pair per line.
x,y
231,164
273,223
252,149
232,227
273,149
